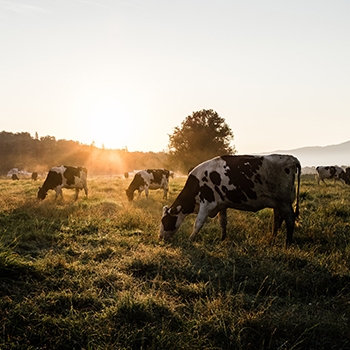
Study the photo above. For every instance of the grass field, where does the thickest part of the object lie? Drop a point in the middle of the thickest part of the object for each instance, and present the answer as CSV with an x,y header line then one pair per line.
x,y
92,274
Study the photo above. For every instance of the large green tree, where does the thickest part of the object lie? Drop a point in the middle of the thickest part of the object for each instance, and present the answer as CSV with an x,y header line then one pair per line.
x,y
202,135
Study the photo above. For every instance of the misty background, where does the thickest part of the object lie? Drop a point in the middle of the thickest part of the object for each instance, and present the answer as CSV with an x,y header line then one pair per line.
x,y
33,153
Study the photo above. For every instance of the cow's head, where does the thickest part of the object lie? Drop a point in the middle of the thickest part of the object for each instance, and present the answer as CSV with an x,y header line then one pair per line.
x,y
129,194
171,220
41,193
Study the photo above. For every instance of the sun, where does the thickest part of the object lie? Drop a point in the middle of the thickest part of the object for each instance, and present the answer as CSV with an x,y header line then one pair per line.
x,y
109,126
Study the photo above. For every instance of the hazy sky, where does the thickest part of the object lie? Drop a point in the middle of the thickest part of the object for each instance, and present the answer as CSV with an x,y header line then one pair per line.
x,y
126,73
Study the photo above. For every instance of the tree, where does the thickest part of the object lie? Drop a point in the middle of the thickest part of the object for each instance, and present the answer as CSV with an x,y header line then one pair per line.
x,y
202,135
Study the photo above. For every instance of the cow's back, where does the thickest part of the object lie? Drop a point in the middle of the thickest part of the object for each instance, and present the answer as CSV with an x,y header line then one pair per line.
x,y
247,182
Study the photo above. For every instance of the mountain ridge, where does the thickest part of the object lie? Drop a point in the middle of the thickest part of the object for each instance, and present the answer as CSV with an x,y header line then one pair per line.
x,y
336,154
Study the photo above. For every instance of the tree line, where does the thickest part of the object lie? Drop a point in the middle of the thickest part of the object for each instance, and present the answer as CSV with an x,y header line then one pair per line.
x,y
22,151
201,136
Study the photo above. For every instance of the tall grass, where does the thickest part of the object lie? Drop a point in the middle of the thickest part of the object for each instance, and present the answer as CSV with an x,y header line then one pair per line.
x,y
92,274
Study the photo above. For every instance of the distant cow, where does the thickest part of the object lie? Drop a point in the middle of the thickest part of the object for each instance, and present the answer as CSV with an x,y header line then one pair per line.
x,y
152,179
330,172
64,177
240,182
34,176
347,176
14,177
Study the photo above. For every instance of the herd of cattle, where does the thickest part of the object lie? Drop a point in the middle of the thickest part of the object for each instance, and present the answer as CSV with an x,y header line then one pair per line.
x,y
333,172
249,183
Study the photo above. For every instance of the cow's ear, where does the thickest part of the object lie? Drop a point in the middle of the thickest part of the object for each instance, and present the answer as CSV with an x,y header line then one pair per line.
x,y
175,211
165,209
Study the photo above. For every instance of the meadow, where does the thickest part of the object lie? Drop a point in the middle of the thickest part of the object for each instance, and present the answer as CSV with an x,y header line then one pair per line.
x,y
92,274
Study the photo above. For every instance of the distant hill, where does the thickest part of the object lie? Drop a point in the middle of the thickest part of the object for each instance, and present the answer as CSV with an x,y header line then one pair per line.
x,y
327,155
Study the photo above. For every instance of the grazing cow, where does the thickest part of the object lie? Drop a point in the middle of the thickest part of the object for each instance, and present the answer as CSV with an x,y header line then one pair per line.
x,y
248,183
149,179
34,176
330,172
14,177
347,176
64,177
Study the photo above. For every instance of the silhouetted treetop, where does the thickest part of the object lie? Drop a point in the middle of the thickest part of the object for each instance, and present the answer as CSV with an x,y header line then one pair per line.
x,y
202,135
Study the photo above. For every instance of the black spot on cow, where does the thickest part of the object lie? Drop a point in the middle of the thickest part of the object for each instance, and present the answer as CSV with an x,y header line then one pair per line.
x,y
287,170
205,177
257,179
139,180
218,191
241,172
206,193
236,197
251,194
53,179
215,178
187,197
70,173
332,170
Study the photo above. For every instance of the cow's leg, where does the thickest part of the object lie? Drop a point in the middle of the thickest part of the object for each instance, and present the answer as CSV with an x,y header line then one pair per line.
x,y
223,222
165,196
198,224
140,189
277,223
289,217
86,190
76,193
146,191
58,191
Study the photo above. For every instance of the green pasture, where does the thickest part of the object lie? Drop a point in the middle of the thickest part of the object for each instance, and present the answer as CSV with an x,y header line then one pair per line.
x,y
92,274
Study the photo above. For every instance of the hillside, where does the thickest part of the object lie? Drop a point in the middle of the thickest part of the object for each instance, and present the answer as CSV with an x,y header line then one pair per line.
x,y
328,155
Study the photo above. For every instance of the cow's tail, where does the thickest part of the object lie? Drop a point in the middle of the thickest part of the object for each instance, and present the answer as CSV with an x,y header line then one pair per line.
x,y
296,213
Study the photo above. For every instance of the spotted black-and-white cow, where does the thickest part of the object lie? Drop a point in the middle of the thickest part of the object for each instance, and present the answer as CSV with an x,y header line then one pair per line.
x,y
347,176
240,182
330,172
152,179
64,177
